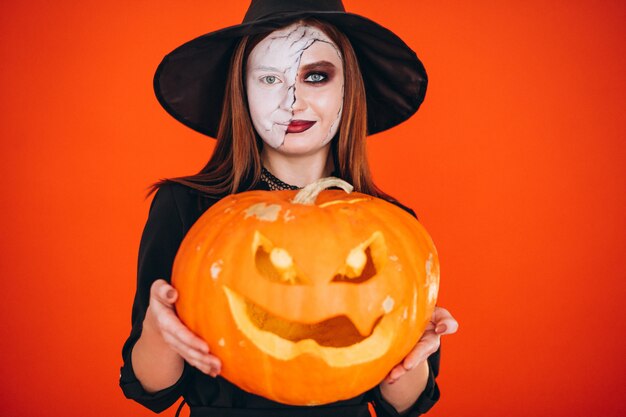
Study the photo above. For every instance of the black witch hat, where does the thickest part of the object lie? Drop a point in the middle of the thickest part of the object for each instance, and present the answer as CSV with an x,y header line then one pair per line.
x,y
189,82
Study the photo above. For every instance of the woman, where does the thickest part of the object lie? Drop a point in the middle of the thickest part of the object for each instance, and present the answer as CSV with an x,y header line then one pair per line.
x,y
304,85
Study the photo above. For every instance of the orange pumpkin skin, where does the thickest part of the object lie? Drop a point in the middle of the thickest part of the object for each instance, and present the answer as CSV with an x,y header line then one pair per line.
x,y
257,274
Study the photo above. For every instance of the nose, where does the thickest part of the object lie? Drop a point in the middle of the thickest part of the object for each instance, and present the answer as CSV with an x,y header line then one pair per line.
x,y
289,98
299,102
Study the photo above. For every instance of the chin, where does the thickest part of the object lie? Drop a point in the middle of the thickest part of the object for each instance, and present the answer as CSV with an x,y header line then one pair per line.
x,y
295,147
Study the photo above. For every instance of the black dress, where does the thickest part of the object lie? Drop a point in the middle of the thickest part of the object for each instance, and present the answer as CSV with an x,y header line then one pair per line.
x,y
173,211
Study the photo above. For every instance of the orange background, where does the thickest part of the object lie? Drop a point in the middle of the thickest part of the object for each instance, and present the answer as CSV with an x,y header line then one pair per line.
x,y
515,164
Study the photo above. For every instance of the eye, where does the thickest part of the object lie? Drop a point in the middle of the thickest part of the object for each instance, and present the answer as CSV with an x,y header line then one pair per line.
x,y
316,77
364,261
274,263
270,79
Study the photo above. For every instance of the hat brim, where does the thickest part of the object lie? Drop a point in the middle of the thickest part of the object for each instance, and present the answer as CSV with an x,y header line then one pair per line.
x,y
190,81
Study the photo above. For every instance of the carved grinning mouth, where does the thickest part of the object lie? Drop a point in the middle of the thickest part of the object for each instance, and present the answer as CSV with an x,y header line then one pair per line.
x,y
336,332
335,340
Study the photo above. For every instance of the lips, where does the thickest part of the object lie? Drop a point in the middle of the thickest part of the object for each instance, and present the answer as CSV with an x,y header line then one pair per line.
x,y
299,126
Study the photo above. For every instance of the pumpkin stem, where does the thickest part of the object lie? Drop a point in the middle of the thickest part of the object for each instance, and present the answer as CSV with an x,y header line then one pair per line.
x,y
308,194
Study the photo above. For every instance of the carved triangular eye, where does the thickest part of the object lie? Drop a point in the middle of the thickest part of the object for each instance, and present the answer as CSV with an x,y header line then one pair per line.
x,y
364,261
274,263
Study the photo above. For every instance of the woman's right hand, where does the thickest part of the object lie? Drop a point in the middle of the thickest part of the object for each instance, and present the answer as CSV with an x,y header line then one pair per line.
x,y
161,317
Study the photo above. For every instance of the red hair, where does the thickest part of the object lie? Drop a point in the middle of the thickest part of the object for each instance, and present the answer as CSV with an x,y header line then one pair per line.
x,y
235,164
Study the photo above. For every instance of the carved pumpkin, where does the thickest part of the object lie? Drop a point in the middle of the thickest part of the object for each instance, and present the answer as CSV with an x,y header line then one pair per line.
x,y
308,301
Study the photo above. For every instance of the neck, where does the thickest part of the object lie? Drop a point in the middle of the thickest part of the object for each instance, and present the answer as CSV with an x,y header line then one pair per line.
x,y
298,170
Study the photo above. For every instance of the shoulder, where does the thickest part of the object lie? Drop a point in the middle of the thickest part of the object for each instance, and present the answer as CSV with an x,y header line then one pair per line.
x,y
173,193
177,200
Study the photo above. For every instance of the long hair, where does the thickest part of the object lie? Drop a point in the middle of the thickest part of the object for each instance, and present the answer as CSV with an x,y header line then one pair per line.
x,y
235,164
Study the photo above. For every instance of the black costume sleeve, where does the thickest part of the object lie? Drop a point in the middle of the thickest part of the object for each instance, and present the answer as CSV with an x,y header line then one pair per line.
x,y
161,238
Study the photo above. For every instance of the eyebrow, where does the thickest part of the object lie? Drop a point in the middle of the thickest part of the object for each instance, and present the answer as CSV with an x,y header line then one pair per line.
x,y
262,68
318,65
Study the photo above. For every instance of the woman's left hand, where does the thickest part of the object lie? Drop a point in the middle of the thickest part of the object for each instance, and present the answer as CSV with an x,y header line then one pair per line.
x,y
441,323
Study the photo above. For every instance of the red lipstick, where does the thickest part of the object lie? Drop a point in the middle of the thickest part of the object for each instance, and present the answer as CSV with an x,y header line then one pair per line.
x,y
298,126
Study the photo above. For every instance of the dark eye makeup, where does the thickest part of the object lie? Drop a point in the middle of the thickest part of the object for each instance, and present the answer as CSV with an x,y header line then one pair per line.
x,y
317,77
318,73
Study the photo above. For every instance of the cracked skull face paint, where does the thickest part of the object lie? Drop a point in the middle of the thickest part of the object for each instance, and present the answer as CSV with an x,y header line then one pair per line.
x,y
294,82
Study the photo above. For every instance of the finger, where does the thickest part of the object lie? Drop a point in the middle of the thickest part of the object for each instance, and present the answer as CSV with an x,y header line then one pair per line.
x,y
395,373
427,345
168,294
163,292
442,311
203,368
207,363
206,370
206,367
444,322
447,326
192,355
171,326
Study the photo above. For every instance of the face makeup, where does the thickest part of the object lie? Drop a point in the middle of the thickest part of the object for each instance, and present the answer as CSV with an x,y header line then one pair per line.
x,y
294,82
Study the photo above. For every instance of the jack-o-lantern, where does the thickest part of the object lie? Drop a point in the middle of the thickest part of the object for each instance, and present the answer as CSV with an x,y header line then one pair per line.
x,y
307,300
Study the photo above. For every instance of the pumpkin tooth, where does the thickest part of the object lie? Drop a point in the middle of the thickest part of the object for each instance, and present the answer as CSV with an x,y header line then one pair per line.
x,y
281,258
355,262
283,263
365,324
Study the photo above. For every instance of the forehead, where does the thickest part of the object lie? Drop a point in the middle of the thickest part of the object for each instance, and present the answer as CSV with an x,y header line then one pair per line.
x,y
296,41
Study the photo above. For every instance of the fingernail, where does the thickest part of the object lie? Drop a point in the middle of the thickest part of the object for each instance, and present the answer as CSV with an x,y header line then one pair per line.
x,y
215,367
440,329
170,294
